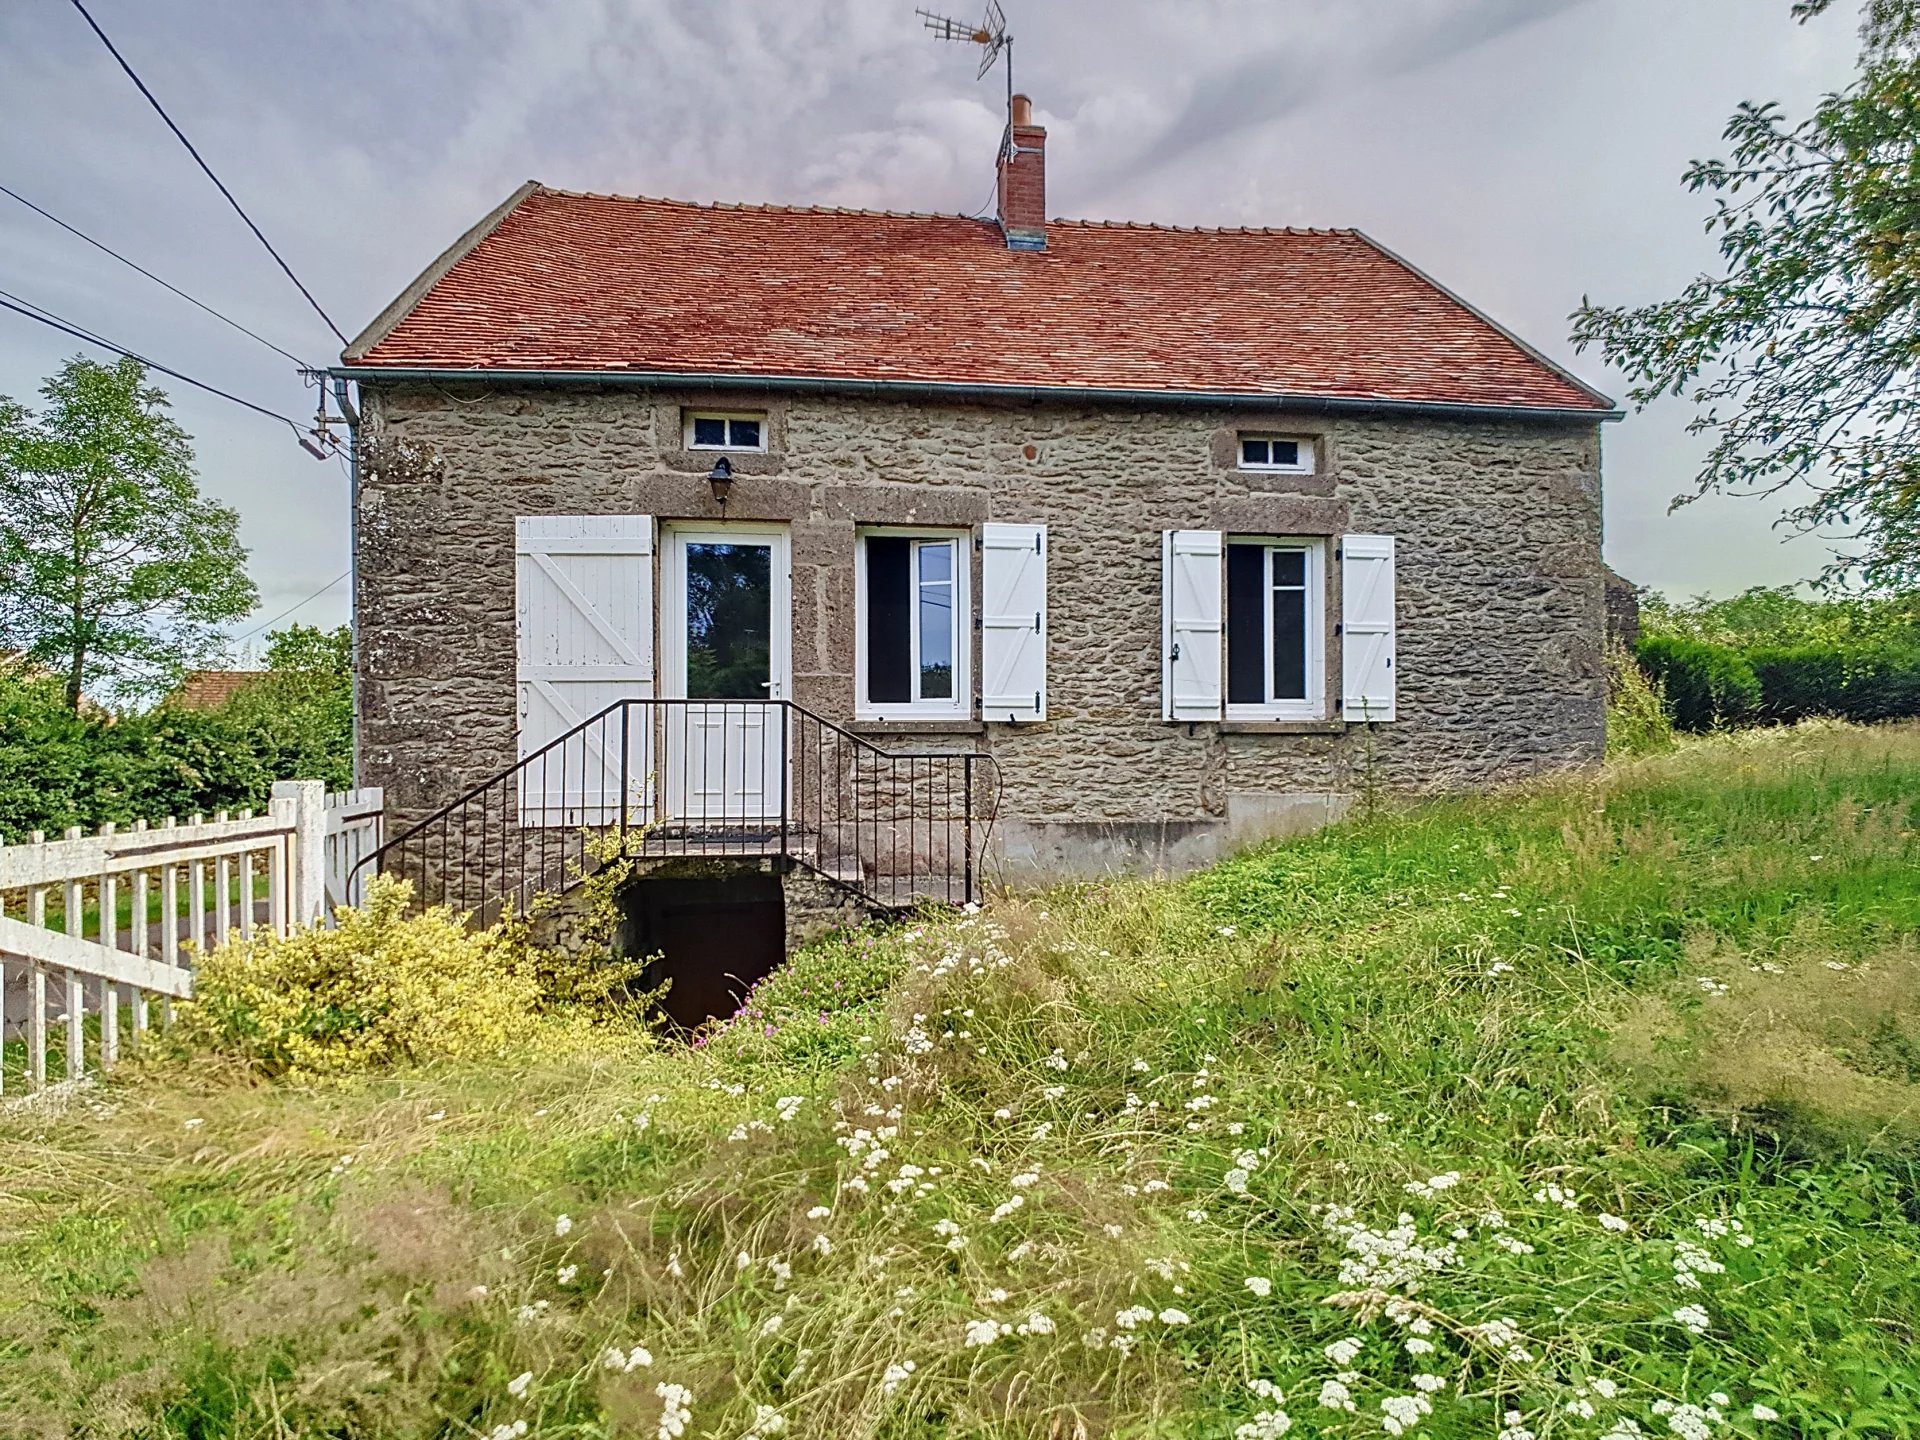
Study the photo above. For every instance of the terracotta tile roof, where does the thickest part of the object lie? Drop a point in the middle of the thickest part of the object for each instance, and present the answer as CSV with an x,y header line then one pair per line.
x,y
596,282
210,689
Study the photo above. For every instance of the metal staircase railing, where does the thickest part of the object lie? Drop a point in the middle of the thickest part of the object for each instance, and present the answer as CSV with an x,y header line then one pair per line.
x,y
706,779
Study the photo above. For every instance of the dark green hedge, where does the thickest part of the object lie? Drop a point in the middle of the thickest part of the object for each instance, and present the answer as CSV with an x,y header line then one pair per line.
x,y
59,769
1706,686
1709,686
1864,684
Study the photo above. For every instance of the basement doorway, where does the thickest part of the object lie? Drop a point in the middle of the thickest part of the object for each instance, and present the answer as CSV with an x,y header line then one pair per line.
x,y
714,937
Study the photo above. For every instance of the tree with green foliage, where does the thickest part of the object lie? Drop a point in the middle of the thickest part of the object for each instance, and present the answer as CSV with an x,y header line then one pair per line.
x,y
1802,358
115,570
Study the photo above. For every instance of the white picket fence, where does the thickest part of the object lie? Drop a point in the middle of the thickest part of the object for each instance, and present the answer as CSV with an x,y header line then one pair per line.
x,y
187,888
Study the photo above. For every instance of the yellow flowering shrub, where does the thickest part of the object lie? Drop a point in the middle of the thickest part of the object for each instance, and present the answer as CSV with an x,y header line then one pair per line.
x,y
386,987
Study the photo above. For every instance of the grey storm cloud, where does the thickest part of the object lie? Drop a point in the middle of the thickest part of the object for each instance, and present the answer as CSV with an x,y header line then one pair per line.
x,y
1523,151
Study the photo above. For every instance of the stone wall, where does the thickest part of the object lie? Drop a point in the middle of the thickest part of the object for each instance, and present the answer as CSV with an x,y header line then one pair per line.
x,y
1500,600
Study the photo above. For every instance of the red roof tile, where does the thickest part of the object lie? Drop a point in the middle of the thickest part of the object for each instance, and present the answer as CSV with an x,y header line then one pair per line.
x,y
210,689
594,282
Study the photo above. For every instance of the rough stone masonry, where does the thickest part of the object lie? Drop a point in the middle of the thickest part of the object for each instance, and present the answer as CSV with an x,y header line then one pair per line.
x,y
1500,613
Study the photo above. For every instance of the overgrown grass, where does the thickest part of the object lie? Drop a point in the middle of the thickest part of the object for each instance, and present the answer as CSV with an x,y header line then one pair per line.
x,y
1590,1104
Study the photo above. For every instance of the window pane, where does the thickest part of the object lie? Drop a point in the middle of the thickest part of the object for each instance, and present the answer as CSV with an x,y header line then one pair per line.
x,y
1289,567
1246,622
1286,452
746,434
729,621
936,620
888,639
1253,452
1289,638
709,432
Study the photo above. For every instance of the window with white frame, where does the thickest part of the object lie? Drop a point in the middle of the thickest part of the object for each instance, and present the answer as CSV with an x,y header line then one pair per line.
x,y
913,627
726,430
1276,629
1288,454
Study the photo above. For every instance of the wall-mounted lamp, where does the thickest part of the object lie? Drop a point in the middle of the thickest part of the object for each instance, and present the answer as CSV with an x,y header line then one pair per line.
x,y
721,479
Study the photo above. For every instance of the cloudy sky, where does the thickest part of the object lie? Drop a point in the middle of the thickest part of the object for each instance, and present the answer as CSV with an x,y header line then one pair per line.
x,y
1526,152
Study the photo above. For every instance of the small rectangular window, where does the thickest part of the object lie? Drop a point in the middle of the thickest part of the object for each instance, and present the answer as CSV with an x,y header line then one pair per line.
x,y
912,624
710,431
1275,620
1276,452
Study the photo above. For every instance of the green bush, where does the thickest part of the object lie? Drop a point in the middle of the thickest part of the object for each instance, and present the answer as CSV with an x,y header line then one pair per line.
x,y
1707,686
1864,684
385,988
59,768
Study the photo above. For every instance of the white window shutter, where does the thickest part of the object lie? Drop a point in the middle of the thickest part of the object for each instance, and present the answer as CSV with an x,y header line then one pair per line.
x,y
1366,627
584,639
1192,580
1013,622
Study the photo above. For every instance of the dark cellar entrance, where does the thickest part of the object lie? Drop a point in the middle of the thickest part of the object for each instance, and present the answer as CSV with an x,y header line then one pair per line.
x,y
715,936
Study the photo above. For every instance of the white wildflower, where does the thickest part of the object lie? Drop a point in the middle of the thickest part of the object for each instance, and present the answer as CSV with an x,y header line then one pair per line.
x,y
1236,1180
819,1212
566,1273
1260,1285
1613,1222
1694,1317
1401,1413
1342,1352
896,1375
982,1332
676,1409
1765,1412
517,1386
627,1361
1335,1396
563,1225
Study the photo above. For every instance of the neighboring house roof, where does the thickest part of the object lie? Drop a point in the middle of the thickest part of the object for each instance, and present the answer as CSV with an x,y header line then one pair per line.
x,y
210,689
560,282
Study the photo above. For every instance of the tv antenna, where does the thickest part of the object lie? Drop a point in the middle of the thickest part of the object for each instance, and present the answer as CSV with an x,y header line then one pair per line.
x,y
990,35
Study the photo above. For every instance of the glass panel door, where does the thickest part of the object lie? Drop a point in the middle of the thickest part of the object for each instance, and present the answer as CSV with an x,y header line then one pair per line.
x,y
726,611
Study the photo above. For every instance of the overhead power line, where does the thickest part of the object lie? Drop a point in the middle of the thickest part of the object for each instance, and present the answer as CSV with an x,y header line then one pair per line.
x,y
10,301
301,605
132,265
181,136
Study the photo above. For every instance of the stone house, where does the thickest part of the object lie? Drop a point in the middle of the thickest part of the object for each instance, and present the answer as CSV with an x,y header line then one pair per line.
x,y
1191,535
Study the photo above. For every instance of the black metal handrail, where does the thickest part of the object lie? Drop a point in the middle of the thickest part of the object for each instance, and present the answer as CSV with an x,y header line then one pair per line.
x,y
707,779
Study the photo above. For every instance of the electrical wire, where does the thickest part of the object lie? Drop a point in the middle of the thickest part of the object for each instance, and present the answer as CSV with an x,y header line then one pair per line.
x,y
132,265
291,608
10,301
181,136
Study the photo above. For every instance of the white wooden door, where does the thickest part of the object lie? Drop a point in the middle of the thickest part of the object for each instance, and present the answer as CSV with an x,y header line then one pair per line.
x,y
584,639
726,642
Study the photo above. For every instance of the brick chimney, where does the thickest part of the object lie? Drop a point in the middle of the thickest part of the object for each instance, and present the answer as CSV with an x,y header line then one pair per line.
x,y
1023,180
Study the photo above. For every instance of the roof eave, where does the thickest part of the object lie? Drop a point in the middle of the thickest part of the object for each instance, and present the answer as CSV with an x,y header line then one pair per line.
x,y
977,390
1532,352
